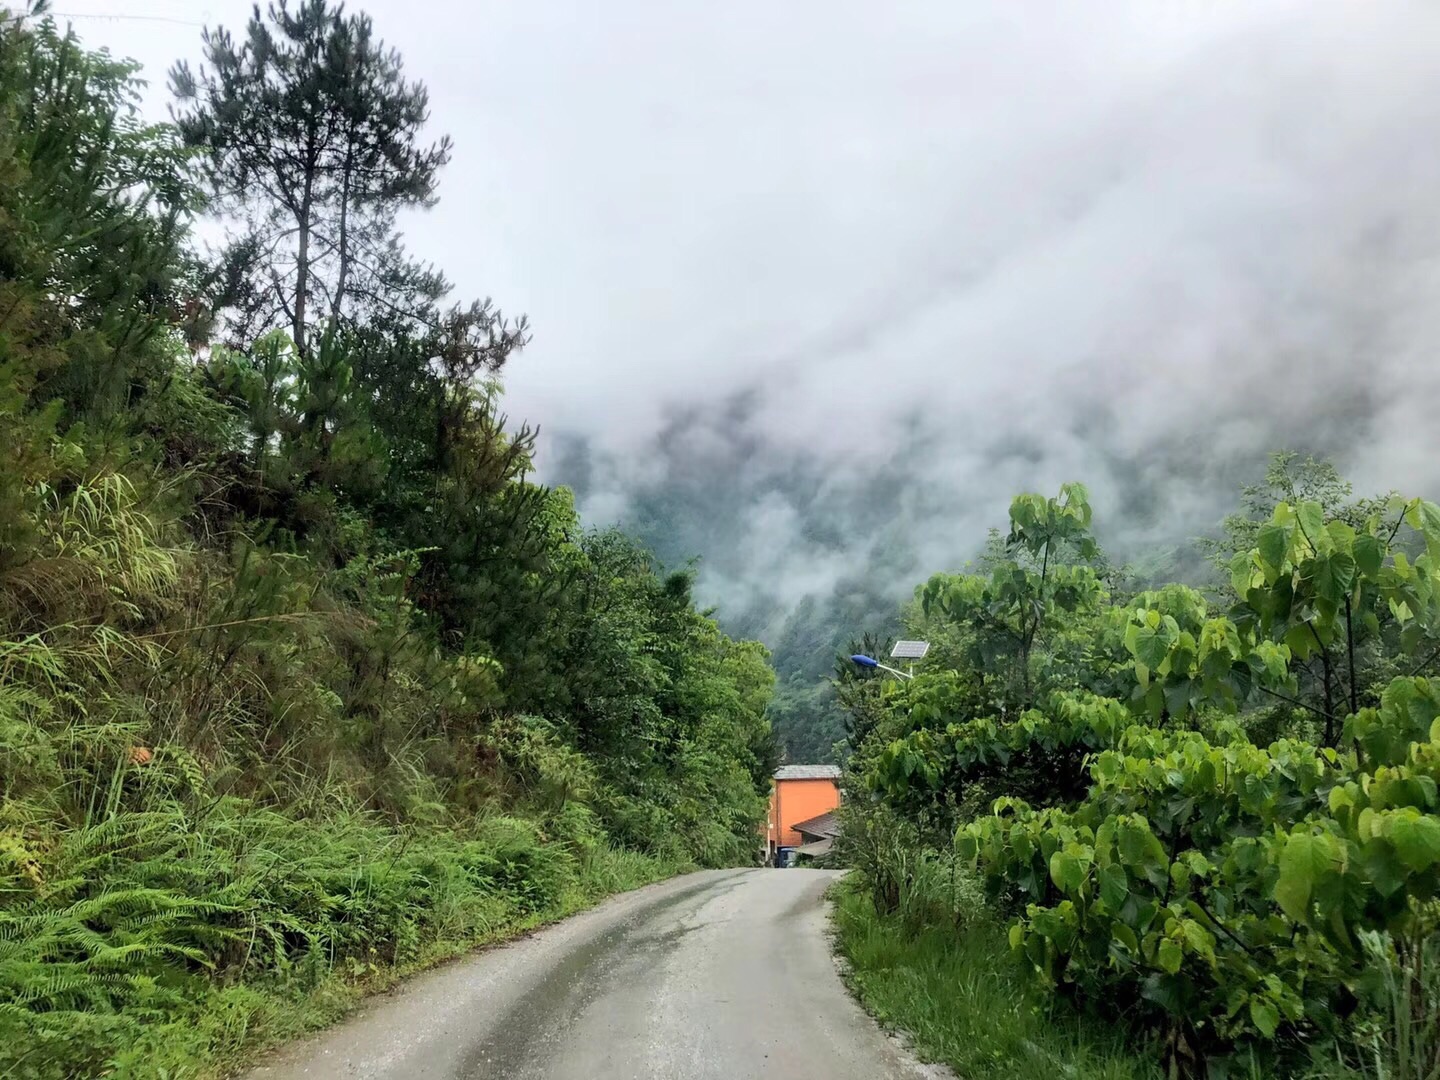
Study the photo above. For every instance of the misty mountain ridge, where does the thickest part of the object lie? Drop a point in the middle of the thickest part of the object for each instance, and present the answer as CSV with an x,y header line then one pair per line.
x,y
769,530
808,562
1174,250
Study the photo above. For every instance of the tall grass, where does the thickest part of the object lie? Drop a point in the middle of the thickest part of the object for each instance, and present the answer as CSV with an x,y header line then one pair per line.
x,y
142,926
963,1000
237,791
1401,1039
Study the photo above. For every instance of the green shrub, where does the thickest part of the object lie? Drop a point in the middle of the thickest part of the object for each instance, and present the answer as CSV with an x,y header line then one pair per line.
x,y
1153,857
1227,886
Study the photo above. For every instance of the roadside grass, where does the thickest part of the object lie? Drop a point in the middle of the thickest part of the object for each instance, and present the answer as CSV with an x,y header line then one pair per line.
x,y
239,1023
963,1001
234,1025
289,925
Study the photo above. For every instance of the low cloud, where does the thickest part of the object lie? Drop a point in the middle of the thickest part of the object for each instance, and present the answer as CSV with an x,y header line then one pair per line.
x,y
817,287
1043,266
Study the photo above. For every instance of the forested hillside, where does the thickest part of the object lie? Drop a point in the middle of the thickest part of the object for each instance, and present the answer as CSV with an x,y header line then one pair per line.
x,y
303,682
832,568
1206,822
697,514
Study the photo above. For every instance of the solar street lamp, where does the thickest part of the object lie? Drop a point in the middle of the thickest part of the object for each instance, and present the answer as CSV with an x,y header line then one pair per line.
x,y
903,650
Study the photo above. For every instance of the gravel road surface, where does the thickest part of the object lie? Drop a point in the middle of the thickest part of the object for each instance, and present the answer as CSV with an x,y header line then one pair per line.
x,y
720,975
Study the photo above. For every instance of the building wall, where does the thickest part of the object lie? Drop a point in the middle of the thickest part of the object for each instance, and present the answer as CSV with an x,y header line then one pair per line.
x,y
792,801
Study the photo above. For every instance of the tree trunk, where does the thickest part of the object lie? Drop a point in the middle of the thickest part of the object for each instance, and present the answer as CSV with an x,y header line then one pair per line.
x,y
1329,676
1025,675
1350,647
302,267
344,272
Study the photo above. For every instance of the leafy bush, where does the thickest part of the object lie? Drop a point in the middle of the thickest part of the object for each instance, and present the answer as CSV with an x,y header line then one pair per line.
x,y
1155,857
1160,885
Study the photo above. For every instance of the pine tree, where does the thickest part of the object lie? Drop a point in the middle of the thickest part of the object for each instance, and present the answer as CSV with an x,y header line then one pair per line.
x,y
311,135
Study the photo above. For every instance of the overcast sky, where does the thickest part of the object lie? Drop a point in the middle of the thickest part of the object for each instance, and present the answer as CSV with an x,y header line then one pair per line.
x,y
992,245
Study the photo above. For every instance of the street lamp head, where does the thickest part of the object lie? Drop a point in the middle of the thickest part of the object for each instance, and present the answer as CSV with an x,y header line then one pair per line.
x,y
861,660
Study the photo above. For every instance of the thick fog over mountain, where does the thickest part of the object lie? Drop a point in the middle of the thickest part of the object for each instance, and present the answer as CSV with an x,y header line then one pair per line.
x,y
817,287
900,272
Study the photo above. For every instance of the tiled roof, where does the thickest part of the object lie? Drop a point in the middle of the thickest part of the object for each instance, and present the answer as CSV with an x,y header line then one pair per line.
x,y
824,826
808,772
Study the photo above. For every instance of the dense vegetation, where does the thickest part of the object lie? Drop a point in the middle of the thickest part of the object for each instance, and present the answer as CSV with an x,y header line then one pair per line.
x,y
962,997
303,682
1212,815
703,508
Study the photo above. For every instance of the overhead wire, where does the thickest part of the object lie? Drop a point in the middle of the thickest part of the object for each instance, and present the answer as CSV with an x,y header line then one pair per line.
x,y
139,18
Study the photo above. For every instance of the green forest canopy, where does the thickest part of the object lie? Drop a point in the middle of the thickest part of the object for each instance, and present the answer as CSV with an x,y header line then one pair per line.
x,y
302,678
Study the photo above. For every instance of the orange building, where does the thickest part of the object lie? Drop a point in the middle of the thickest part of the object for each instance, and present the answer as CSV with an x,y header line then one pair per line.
x,y
800,793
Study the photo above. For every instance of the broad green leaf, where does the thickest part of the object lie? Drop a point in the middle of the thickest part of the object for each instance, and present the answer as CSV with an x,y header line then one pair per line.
x,y
1140,849
1416,840
967,847
1169,955
1335,577
1179,874
1304,862
1387,874
1340,798
1300,640
1199,940
1114,886
1366,824
1177,698
1150,644
1241,571
1310,517
1342,536
1022,846
1273,542
1369,554
1066,871
1264,1016
1424,517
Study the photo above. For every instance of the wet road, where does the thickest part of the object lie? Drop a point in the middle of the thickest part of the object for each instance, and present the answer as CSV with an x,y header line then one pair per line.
x,y
721,975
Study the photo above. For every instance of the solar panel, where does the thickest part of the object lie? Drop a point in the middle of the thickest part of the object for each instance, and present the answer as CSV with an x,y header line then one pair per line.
x,y
909,650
